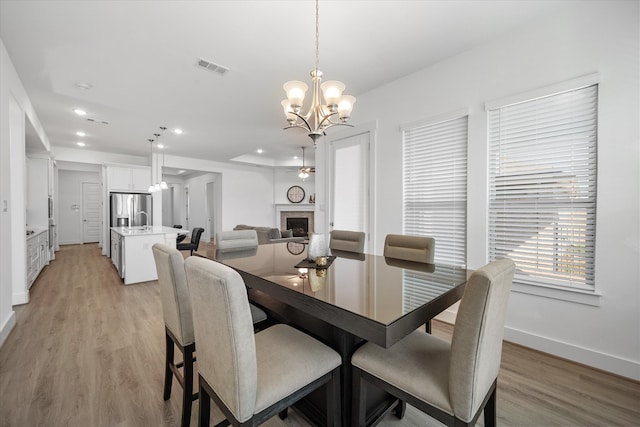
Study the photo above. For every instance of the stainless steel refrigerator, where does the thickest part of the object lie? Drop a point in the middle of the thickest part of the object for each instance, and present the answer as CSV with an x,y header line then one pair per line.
x,y
126,210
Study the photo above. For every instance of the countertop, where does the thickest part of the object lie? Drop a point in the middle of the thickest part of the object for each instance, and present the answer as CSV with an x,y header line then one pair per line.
x,y
142,231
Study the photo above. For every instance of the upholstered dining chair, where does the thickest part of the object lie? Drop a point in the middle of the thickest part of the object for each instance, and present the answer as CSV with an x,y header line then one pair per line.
x,y
236,240
348,241
193,243
409,248
178,320
454,382
180,237
231,358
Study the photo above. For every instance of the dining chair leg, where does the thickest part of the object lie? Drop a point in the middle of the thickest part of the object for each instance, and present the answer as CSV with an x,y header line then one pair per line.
x,y
332,396
400,409
204,411
168,374
284,414
358,396
187,391
490,410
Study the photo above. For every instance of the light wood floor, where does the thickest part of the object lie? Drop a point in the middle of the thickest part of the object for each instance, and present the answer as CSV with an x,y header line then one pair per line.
x,y
88,351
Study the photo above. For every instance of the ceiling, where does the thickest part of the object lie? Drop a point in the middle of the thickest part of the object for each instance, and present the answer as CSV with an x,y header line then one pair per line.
x,y
139,58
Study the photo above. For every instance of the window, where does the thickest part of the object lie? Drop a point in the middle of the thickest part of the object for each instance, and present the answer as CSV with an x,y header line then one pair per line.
x,y
435,202
542,187
435,186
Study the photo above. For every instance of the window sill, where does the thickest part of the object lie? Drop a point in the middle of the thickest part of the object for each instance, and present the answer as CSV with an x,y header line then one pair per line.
x,y
571,295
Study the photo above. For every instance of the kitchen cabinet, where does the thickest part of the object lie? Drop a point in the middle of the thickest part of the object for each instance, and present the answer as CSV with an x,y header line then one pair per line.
x,y
129,178
37,254
133,255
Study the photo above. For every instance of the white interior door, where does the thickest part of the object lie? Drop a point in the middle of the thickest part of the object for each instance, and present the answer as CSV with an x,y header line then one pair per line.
x,y
350,187
91,207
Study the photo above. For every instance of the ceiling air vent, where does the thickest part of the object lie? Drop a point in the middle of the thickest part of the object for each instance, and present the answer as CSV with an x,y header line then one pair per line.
x,y
207,65
98,121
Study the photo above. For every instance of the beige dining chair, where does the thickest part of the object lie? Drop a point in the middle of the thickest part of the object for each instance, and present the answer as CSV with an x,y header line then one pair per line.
x,y
452,382
409,248
347,241
231,358
178,320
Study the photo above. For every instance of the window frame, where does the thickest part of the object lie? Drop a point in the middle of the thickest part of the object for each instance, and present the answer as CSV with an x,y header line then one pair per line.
x,y
588,296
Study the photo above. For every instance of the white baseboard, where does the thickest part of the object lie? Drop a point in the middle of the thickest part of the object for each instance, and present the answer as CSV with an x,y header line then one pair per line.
x,y
20,298
7,327
606,362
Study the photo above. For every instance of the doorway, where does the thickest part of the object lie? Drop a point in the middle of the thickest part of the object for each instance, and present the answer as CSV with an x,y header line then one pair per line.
x,y
91,206
350,165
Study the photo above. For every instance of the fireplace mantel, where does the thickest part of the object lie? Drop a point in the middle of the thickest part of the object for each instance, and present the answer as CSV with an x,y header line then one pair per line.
x,y
284,210
304,207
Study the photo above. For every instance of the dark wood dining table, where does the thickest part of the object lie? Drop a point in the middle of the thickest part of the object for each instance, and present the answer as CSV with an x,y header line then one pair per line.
x,y
356,298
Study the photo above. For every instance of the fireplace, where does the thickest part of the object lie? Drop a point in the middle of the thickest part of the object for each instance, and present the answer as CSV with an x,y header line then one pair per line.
x,y
299,226
297,212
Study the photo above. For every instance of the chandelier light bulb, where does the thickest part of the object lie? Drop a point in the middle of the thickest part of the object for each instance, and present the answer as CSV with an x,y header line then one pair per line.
x,y
346,106
332,91
295,93
151,189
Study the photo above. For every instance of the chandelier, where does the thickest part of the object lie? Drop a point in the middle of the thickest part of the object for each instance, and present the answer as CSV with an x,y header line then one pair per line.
x,y
319,117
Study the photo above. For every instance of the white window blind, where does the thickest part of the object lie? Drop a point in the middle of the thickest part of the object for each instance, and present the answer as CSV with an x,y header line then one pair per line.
x,y
435,187
542,187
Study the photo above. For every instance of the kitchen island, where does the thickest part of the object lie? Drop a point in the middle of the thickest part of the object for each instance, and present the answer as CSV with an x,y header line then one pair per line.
x,y
131,250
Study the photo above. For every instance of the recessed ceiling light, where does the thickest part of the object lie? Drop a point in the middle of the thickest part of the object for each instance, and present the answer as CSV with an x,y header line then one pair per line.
x,y
177,131
80,144
181,171
80,112
160,146
295,157
259,151
80,133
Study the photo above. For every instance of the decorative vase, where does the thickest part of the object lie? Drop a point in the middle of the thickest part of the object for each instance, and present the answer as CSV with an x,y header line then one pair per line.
x,y
317,246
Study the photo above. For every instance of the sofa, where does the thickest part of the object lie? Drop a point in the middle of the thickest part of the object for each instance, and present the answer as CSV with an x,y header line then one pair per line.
x,y
270,234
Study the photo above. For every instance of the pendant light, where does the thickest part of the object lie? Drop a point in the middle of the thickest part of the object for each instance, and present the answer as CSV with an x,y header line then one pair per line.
x,y
163,184
152,188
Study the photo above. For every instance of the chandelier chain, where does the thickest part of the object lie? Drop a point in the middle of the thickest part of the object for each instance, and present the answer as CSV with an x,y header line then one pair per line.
x,y
317,35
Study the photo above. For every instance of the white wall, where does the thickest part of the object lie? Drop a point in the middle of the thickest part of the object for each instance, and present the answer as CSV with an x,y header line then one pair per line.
x,y
70,195
284,179
14,107
247,192
602,37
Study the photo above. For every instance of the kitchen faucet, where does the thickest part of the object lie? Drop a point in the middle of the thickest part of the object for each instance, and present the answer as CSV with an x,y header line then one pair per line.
x,y
146,227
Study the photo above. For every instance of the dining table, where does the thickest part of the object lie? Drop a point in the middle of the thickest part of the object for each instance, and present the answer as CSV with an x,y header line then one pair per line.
x,y
353,299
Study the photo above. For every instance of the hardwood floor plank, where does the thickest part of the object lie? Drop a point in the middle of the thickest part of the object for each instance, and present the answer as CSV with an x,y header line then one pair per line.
x,y
89,351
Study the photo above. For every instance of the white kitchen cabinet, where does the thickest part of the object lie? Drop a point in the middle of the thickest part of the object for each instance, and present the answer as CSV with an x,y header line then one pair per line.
x,y
129,179
37,254
133,255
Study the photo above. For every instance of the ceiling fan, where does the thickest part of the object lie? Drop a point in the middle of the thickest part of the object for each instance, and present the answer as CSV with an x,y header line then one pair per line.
x,y
304,171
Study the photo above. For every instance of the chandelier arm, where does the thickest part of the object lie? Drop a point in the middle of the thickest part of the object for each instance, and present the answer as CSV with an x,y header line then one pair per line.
x,y
338,124
327,118
298,126
306,122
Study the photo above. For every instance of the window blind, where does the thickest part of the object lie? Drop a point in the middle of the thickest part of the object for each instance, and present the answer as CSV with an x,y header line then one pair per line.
x,y
435,186
542,187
